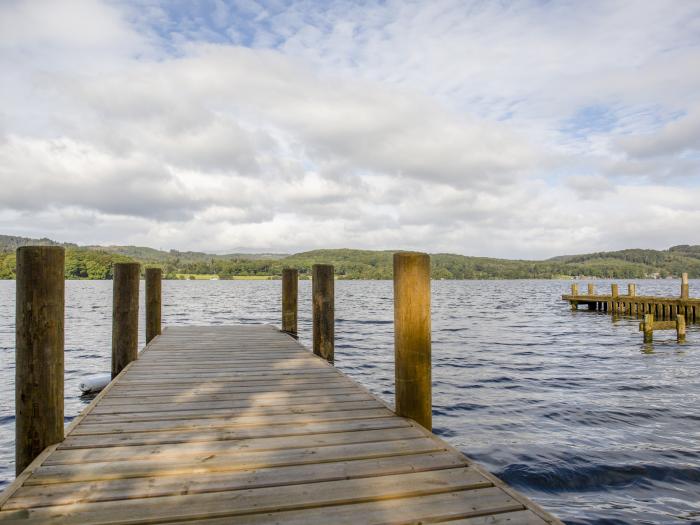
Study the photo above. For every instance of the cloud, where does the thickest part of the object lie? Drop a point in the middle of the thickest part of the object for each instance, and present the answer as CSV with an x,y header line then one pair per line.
x,y
477,128
676,138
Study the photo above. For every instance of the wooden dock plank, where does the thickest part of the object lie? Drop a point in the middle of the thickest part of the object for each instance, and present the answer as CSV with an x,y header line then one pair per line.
x,y
220,424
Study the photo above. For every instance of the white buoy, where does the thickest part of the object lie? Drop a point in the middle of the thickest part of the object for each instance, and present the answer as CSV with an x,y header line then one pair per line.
x,y
95,383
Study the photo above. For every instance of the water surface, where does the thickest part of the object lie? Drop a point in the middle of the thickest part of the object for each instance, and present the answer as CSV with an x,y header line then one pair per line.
x,y
569,407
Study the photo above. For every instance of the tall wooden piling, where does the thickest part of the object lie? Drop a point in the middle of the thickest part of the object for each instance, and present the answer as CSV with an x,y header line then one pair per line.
x,y
591,289
614,293
632,290
412,338
323,310
648,328
153,302
684,286
39,332
290,293
574,291
125,315
680,328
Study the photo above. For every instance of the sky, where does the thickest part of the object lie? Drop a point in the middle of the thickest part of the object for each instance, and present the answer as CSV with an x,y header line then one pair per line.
x,y
523,129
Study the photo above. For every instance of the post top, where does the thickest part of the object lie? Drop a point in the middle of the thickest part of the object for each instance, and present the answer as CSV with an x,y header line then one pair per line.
x,y
411,255
153,270
41,248
127,264
322,266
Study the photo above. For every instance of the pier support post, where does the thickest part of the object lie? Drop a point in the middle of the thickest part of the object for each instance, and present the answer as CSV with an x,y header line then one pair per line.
x,y
39,332
125,315
632,290
154,278
323,310
680,328
591,289
684,286
614,292
574,292
648,328
290,292
412,337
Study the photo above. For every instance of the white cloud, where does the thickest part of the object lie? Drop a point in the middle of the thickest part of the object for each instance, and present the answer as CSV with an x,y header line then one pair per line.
x,y
441,126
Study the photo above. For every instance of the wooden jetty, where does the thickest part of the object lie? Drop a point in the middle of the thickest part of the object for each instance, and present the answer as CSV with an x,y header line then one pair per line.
x,y
241,424
662,308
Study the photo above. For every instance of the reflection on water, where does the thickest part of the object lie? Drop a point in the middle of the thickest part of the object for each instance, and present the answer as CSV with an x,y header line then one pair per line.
x,y
571,408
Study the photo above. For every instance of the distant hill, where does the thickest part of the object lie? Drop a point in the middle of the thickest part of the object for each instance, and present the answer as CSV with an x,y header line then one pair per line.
x,y
95,262
145,254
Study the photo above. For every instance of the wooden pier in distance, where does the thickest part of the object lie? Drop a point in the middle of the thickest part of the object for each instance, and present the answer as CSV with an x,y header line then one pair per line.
x,y
216,425
662,308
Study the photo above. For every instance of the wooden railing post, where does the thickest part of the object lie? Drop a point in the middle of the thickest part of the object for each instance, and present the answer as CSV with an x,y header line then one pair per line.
x,y
684,286
39,332
323,310
632,290
412,337
125,315
591,289
614,293
290,293
154,278
574,289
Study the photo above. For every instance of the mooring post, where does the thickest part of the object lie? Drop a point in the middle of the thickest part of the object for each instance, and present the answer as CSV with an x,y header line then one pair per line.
x,y
632,290
125,315
290,292
39,332
648,328
684,286
412,337
574,292
154,278
614,292
592,305
323,310
680,328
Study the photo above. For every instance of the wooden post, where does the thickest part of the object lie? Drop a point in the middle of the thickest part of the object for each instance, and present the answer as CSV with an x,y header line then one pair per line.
x,y
323,310
591,289
412,337
684,286
614,292
574,292
39,332
632,290
290,292
680,328
648,328
125,315
153,302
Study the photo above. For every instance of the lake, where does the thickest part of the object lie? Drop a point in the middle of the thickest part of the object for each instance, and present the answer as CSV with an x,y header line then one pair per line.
x,y
571,408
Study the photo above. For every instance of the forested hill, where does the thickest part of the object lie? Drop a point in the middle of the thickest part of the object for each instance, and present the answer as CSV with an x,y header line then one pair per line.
x,y
95,262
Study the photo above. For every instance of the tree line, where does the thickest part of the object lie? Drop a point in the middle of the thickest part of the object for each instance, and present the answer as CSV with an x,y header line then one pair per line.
x,y
94,263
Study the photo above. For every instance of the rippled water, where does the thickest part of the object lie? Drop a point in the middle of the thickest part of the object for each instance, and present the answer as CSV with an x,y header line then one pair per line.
x,y
569,407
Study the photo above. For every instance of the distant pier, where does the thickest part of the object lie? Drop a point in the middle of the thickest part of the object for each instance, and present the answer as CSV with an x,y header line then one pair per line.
x,y
662,308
